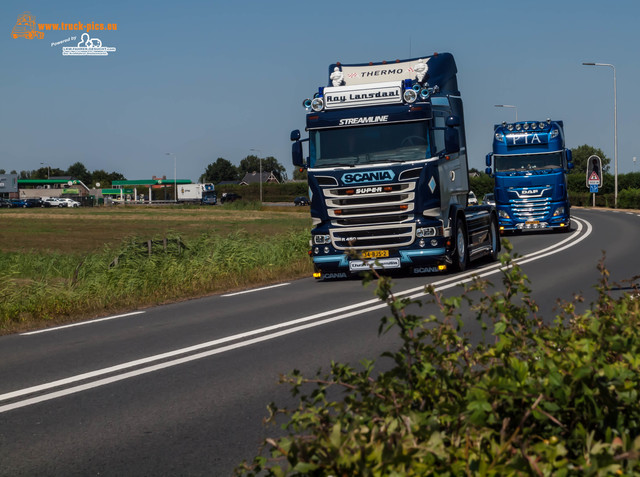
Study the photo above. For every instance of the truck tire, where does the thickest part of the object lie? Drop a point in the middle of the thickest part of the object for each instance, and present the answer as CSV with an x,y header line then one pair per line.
x,y
461,255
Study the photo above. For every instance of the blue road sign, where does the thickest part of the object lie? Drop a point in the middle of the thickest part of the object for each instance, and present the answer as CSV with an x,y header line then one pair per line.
x,y
593,188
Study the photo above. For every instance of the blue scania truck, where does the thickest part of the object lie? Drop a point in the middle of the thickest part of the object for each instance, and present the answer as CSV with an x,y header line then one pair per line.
x,y
530,166
387,171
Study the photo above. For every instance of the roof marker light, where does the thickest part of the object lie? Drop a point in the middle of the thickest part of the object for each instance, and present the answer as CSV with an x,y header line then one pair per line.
x,y
317,104
410,95
307,103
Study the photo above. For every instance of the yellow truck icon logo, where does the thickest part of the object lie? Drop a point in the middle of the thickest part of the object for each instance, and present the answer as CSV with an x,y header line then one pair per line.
x,y
26,27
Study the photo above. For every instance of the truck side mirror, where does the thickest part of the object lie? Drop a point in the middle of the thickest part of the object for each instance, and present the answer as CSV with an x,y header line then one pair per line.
x,y
296,154
451,136
295,135
569,159
488,171
488,159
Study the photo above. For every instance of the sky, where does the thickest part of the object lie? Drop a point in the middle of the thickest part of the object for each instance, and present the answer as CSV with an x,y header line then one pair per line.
x,y
210,79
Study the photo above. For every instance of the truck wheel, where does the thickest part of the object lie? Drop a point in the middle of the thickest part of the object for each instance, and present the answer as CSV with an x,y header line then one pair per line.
x,y
461,256
494,239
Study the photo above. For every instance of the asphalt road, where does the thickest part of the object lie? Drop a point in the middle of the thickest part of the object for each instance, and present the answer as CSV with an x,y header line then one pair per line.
x,y
182,389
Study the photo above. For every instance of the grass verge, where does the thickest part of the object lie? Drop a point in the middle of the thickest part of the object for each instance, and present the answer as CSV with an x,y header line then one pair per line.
x,y
196,252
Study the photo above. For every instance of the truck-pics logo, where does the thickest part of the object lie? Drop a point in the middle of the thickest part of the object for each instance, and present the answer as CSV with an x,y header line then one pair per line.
x,y
87,47
374,176
25,27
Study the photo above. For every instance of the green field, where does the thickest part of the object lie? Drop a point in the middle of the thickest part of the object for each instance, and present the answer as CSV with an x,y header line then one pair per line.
x,y
60,265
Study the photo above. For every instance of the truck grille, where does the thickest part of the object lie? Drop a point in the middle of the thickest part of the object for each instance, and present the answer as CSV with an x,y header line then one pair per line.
x,y
368,217
530,209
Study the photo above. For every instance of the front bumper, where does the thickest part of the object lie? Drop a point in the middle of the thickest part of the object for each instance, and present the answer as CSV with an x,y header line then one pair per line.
x,y
415,261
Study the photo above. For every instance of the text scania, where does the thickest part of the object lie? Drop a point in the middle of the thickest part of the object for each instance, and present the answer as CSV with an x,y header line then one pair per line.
x,y
375,176
367,120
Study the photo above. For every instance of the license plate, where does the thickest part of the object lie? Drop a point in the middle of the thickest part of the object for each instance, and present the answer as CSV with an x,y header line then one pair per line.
x,y
363,265
533,222
375,254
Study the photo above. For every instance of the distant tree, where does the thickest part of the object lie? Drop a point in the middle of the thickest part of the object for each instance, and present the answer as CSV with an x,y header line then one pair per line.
x,y
55,172
269,164
26,175
221,170
13,172
80,172
104,178
42,173
582,153
300,174
2,171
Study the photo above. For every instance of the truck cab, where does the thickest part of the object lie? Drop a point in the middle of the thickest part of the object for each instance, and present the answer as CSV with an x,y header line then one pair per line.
x,y
530,164
387,170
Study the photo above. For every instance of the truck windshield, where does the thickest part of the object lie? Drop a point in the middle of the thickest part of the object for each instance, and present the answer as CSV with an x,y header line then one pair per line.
x,y
528,162
399,142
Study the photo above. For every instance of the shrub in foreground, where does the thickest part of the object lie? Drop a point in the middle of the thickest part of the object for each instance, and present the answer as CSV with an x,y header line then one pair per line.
x,y
531,398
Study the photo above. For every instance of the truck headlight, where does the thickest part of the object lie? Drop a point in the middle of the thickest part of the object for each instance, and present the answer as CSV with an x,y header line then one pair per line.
x,y
321,239
503,214
422,232
317,104
559,211
410,95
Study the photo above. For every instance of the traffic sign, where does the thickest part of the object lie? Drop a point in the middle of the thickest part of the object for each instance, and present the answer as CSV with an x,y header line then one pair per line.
x,y
594,171
593,188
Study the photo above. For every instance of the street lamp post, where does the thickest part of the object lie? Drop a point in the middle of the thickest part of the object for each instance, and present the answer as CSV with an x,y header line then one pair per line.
x,y
260,160
615,129
175,177
508,106
48,169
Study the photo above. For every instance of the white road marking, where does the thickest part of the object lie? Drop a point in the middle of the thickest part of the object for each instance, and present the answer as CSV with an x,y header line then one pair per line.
x,y
81,323
256,289
268,333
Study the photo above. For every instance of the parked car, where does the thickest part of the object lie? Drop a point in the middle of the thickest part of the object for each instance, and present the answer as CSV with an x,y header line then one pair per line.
x,y
18,203
229,197
70,202
489,199
301,201
472,199
4,203
36,203
54,202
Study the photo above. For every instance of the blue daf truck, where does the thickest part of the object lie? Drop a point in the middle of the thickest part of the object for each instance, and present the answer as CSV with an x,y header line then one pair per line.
x,y
387,171
530,166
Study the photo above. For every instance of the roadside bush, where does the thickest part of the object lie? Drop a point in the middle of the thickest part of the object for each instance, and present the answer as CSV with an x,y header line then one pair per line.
x,y
531,398
629,199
